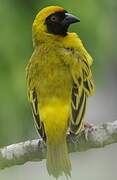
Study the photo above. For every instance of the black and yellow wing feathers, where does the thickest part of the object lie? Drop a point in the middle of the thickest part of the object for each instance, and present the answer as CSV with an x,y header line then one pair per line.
x,y
34,101
83,87
34,105
78,110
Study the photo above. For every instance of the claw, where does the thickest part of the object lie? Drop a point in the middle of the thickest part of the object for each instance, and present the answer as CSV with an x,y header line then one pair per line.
x,y
88,127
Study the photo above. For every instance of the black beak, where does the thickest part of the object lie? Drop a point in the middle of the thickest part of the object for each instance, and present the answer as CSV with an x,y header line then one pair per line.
x,y
70,19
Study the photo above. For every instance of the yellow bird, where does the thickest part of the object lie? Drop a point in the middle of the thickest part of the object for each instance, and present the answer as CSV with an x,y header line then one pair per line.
x,y
59,80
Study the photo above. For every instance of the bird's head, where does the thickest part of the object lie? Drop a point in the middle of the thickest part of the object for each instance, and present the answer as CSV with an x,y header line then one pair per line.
x,y
52,20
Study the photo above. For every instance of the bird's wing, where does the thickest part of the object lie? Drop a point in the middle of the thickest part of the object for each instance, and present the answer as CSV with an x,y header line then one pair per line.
x,y
34,105
82,88
34,100
78,109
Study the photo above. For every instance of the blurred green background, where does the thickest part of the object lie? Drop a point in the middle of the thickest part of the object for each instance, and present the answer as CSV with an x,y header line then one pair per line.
x,y
97,30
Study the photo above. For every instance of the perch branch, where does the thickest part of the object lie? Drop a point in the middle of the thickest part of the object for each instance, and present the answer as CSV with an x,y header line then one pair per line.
x,y
35,150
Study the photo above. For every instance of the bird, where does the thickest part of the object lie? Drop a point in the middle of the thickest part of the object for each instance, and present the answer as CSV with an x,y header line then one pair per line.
x,y
59,81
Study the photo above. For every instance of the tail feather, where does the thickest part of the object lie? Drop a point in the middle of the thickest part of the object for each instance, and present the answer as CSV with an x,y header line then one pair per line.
x,y
58,160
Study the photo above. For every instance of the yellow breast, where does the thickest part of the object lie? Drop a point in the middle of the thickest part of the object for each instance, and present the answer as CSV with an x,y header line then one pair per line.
x,y
53,86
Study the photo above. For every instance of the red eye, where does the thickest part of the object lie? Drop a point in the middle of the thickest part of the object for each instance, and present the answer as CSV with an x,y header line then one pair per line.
x,y
54,19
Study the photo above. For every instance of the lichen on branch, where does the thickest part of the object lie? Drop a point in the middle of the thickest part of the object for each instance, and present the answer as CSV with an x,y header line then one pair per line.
x,y
35,150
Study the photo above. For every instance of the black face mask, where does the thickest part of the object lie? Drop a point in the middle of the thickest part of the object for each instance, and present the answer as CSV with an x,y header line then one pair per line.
x,y
59,22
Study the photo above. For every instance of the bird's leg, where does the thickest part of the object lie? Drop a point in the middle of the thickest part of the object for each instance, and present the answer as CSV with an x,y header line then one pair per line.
x,y
42,140
88,127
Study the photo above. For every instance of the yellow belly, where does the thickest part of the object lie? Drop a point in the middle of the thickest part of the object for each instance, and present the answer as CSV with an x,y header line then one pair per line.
x,y
55,116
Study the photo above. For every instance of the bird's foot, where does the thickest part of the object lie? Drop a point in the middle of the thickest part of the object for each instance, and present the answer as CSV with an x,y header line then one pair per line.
x,y
88,125
88,128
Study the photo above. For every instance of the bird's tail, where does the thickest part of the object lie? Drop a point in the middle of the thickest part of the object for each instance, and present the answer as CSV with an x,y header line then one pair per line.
x,y
58,159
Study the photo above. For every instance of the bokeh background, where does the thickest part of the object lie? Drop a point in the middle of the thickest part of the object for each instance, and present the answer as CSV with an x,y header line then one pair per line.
x,y
97,30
